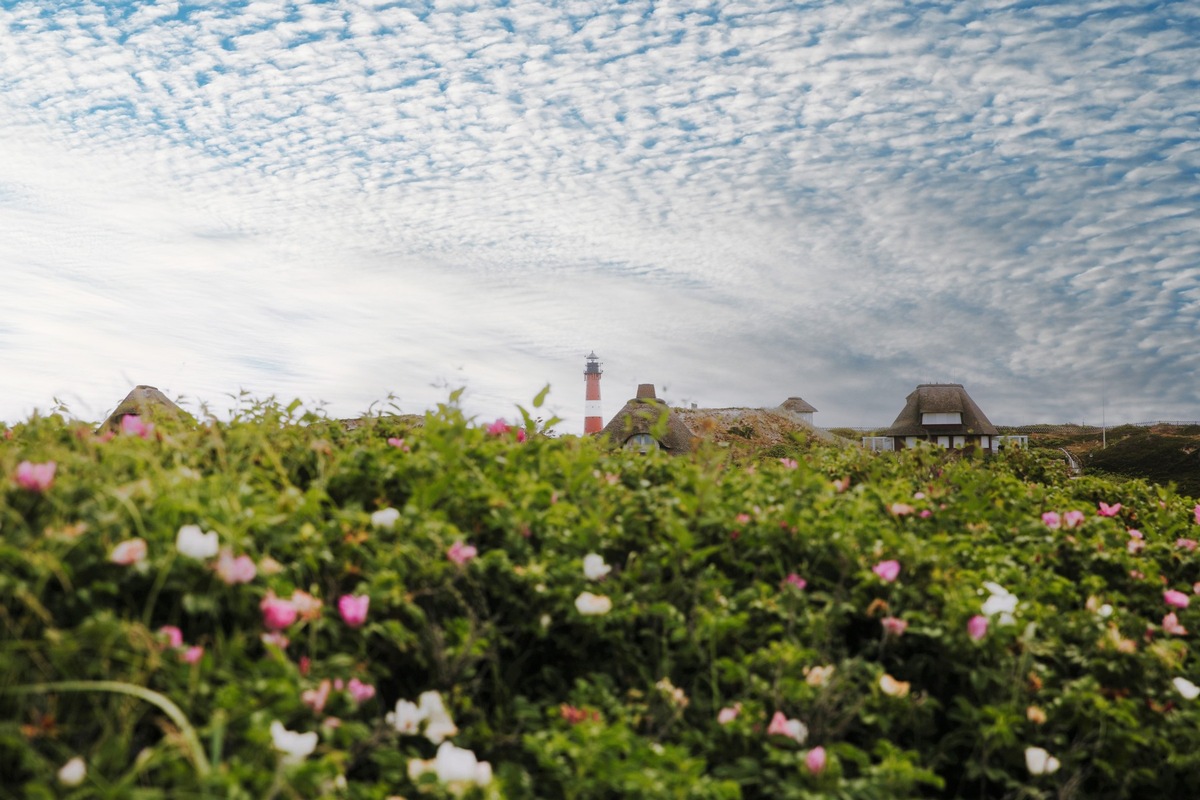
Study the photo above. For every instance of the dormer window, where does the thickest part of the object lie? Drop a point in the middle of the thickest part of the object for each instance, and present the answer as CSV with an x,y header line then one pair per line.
x,y
944,418
642,442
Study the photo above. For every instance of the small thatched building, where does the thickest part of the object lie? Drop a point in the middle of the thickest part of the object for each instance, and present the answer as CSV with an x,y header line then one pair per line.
x,y
799,409
645,423
146,402
945,415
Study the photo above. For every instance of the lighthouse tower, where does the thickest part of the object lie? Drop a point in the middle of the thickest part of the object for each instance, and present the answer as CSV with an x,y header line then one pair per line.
x,y
592,422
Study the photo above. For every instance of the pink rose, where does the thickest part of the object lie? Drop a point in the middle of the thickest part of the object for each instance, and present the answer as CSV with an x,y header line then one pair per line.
x,y
795,580
316,698
1171,624
1105,510
460,553
894,625
977,627
1175,599
277,613
361,692
353,609
173,634
729,713
132,425
1052,520
35,477
193,654
1073,519
887,570
129,552
815,760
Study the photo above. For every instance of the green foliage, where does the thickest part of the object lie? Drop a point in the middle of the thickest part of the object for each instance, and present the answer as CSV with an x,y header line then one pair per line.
x,y
705,556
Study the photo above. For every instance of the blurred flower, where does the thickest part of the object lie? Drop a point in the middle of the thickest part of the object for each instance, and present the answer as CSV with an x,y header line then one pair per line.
x,y
1105,510
795,580
133,425
815,760
1171,625
788,463
1136,541
173,634
1175,599
361,692
269,566
460,552
398,443
574,715
500,427
36,477
977,627
1186,688
385,517
818,676
729,713
676,695
900,509
1052,520
407,717
593,604
353,609
925,513
316,698
73,772
438,725
193,654
295,746
887,570
1035,715
1040,762
894,625
277,613
1186,544
307,607
128,552
192,542
791,728
456,767
235,570
275,639
893,687
1196,513
1073,519
594,568
1000,601
842,484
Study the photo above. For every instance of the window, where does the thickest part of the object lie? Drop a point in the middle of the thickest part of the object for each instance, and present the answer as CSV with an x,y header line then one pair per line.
x,y
950,418
642,442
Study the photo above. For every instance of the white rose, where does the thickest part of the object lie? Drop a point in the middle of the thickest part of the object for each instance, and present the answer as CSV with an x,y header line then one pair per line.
x,y
1040,762
594,568
385,517
593,604
295,746
195,543
73,772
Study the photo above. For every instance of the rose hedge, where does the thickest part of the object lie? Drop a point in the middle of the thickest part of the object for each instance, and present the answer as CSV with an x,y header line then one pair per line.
x,y
540,617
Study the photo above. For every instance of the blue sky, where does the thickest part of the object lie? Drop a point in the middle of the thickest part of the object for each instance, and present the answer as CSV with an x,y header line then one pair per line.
x,y
736,201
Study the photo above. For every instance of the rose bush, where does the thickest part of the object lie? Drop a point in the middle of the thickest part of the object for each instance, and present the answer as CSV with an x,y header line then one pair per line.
x,y
246,609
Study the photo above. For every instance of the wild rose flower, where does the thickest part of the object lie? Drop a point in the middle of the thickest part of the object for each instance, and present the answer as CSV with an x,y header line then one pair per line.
x,y
573,715
788,463
277,612
385,517
1105,510
900,509
1186,544
235,570
592,605
399,444
1196,513
1039,762
791,728
133,425
977,627
1073,519
316,698
72,773
173,634
501,427
456,767
353,609
438,725
36,477
128,552
818,676
894,625
1186,688
842,484
1052,520
1035,715
460,552
888,571
1001,602
1137,542
815,760
275,639
361,692
294,746
795,580
594,568
1175,599
192,542
192,655
729,714
925,513
407,717
893,687
1171,625
307,607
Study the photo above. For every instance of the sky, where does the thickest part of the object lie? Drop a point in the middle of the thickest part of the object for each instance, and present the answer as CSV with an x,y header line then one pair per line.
x,y
367,204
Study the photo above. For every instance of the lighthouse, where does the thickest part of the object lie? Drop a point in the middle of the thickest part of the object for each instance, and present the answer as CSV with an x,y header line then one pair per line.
x,y
592,422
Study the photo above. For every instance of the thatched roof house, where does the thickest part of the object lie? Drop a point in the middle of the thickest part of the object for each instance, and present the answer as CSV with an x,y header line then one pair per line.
x,y
799,409
147,402
945,415
646,422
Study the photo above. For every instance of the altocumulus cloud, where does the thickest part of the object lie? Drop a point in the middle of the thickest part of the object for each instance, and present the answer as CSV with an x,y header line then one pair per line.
x,y
742,201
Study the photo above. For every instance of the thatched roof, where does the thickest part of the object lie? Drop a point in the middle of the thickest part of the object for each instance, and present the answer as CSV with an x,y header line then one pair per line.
x,y
147,402
649,415
941,398
797,405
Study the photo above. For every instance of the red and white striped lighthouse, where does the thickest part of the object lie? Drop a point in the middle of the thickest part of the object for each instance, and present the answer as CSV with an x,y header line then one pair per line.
x,y
592,421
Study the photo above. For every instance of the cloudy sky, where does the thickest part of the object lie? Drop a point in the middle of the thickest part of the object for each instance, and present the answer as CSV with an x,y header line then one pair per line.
x,y
737,201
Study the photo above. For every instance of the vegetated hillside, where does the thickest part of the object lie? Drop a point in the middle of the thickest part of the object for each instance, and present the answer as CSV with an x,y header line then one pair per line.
x,y
1163,454
755,432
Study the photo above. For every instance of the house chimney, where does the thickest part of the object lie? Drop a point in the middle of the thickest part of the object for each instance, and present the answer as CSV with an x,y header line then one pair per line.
x,y
592,421
646,392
